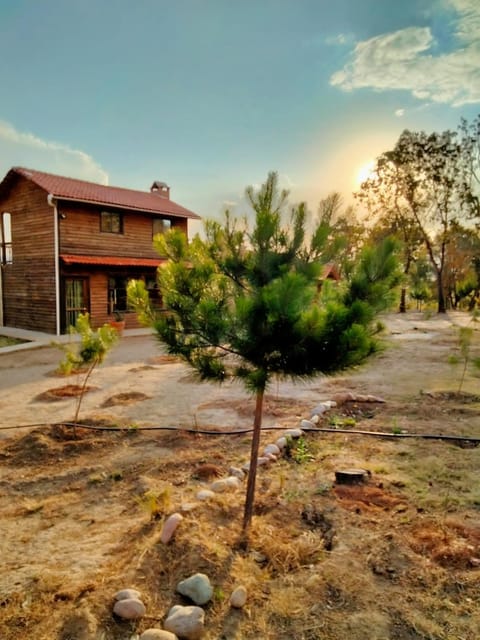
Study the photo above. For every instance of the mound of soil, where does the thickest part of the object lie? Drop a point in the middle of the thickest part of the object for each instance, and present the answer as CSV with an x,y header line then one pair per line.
x,y
125,398
60,393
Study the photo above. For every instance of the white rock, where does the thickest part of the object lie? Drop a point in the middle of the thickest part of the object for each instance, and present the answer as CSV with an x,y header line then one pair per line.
x,y
127,594
281,443
188,506
157,634
186,622
315,419
205,494
129,609
238,597
263,460
170,527
271,448
320,409
307,424
246,467
233,482
270,456
197,588
219,486
293,433
238,473
330,403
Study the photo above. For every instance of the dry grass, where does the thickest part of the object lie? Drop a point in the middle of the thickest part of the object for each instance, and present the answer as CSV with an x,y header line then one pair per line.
x,y
397,558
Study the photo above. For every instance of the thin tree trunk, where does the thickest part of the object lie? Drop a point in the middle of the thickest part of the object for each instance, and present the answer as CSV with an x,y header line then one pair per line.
x,y
82,393
403,300
442,306
252,472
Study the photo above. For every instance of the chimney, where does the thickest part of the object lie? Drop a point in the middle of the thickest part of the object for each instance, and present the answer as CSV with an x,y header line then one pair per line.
x,y
160,188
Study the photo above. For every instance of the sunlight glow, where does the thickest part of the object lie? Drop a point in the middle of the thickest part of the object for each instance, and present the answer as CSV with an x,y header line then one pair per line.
x,y
365,172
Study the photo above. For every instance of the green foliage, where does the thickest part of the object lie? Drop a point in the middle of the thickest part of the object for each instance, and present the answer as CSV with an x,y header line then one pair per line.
x,y
139,300
423,187
156,503
92,346
244,302
342,422
298,450
87,352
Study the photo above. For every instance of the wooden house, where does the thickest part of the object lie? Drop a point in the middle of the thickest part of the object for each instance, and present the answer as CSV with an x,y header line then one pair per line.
x,y
69,246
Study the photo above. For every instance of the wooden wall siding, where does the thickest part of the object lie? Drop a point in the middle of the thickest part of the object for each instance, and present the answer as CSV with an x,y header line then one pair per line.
x,y
29,283
80,233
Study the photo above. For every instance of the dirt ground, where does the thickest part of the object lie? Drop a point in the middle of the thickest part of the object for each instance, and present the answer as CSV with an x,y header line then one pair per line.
x,y
395,559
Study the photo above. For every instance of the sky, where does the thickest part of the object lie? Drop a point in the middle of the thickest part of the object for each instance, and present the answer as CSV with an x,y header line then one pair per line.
x,y
211,95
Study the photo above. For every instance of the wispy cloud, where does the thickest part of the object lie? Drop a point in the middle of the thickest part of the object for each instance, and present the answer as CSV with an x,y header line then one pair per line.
x,y
403,60
400,113
26,149
339,39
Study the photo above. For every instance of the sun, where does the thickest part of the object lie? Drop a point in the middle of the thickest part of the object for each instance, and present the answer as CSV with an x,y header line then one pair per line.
x,y
365,172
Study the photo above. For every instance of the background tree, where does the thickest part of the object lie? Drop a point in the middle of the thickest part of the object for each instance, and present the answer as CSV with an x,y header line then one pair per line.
x,y
462,253
344,234
244,302
421,280
424,182
470,133
396,221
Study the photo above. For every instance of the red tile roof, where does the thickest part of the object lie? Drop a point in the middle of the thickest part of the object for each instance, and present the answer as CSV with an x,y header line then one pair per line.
x,y
111,261
82,191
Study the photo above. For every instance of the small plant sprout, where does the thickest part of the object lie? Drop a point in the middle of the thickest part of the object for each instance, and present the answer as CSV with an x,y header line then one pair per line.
x,y
396,429
85,354
156,503
298,450
464,343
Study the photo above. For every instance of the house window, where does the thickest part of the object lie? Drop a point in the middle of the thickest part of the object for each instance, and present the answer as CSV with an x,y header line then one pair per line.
x,y
111,222
6,252
117,294
161,225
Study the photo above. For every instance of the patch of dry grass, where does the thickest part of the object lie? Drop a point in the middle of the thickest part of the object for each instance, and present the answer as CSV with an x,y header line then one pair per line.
x,y
394,559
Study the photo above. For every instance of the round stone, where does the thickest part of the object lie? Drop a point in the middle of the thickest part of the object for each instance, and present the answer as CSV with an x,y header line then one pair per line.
x,y
197,588
157,634
205,494
129,609
238,597
170,527
293,433
127,594
271,449
186,622
219,486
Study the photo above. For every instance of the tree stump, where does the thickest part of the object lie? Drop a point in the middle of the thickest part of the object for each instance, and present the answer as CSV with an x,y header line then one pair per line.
x,y
351,476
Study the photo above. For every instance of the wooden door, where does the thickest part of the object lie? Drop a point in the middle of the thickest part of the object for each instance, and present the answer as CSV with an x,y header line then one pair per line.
x,y
76,299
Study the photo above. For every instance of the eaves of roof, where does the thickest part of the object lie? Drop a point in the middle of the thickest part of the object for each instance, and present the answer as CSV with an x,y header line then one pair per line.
x,y
110,261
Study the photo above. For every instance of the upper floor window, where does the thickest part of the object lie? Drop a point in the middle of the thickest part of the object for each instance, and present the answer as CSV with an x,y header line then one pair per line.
x,y
161,225
6,251
111,222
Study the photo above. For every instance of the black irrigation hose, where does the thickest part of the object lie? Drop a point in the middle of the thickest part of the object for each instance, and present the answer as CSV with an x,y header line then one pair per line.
x,y
356,432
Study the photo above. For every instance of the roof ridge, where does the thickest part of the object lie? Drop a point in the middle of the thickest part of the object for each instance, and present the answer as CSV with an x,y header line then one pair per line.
x,y
58,175
75,189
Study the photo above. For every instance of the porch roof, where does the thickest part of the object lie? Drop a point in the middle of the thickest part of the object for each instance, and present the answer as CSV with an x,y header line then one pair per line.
x,y
110,261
